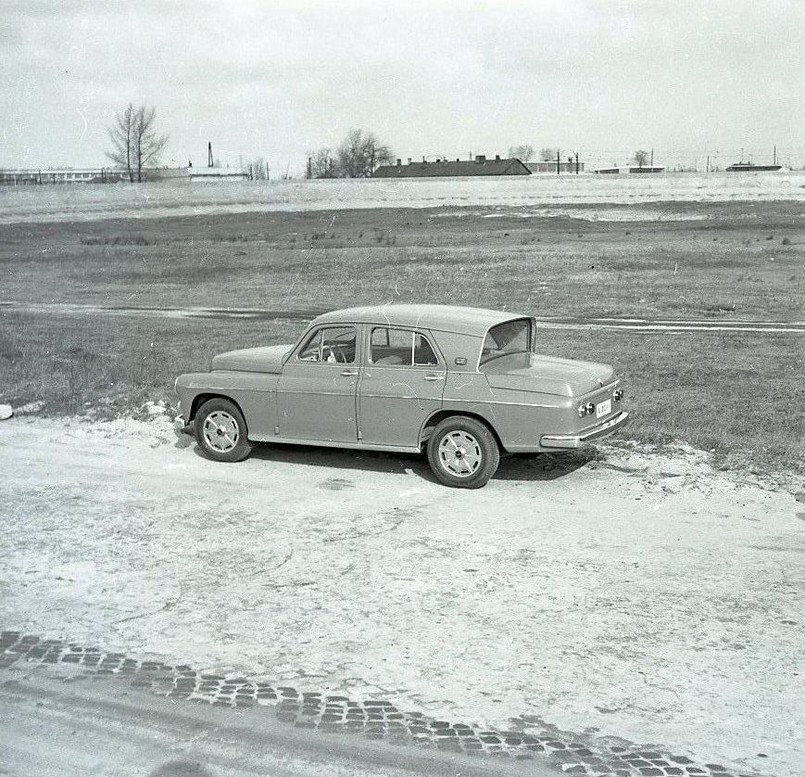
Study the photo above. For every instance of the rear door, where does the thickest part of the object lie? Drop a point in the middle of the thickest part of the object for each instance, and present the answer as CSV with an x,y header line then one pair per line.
x,y
402,384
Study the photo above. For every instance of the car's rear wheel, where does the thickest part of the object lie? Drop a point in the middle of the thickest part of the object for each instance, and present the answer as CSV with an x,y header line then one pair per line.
x,y
463,452
221,431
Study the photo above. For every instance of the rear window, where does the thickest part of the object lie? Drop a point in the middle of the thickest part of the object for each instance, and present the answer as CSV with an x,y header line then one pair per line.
x,y
508,337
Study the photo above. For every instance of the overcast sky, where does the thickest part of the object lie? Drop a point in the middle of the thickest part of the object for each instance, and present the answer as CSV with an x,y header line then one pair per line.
x,y
281,79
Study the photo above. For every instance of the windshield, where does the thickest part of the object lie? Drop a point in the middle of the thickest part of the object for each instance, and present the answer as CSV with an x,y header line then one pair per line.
x,y
508,337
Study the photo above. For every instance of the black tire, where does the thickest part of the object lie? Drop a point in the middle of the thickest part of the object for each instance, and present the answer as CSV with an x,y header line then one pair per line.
x,y
463,452
221,431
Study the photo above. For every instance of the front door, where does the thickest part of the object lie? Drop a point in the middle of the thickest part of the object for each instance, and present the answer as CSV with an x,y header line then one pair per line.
x,y
402,384
316,395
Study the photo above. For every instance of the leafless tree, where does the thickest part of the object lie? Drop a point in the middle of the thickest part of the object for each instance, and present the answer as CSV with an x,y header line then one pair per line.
x,y
135,143
523,152
258,169
360,154
322,164
548,154
147,144
121,133
641,157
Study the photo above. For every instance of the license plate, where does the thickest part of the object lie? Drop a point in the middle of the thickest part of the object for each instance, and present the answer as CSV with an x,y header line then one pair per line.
x,y
603,408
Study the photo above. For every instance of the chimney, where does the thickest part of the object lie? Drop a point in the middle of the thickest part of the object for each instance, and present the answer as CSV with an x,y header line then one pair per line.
x,y
497,157
399,162
480,159
409,160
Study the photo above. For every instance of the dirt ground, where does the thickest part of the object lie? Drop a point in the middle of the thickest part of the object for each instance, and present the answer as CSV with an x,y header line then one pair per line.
x,y
637,593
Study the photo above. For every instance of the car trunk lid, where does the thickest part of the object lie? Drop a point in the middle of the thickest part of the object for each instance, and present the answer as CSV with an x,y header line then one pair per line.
x,y
546,374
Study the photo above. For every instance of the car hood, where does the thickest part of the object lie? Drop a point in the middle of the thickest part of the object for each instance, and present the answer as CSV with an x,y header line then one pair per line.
x,y
265,359
546,374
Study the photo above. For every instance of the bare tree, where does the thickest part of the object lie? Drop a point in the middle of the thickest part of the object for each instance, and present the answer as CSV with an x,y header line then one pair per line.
x,y
523,152
258,169
121,133
641,157
548,154
147,144
135,143
360,154
322,164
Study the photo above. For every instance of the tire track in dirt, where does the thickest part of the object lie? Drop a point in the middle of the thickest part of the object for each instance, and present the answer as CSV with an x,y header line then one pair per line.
x,y
304,315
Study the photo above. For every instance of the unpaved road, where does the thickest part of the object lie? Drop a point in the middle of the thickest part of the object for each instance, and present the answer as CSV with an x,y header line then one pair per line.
x,y
642,595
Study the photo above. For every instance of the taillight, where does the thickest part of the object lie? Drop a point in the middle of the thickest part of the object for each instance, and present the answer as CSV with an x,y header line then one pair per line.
x,y
618,395
587,409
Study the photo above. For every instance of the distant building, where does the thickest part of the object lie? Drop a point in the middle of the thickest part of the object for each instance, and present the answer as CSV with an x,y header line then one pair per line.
x,y
447,168
212,174
751,167
647,169
549,166
30,176
27,176
630,170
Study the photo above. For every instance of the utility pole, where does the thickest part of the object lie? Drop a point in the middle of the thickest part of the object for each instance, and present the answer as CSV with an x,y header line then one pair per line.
x,y
775,153
577,163
309,168
652,160
209,154
557,161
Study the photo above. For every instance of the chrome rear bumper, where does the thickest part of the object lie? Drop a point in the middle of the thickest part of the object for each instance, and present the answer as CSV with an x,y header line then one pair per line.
x,y
594,433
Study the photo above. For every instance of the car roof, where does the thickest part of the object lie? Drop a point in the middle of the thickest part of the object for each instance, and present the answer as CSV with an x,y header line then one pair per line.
x,y
444,318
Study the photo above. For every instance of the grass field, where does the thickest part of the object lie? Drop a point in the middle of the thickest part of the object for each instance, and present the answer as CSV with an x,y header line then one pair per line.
x,y
740,394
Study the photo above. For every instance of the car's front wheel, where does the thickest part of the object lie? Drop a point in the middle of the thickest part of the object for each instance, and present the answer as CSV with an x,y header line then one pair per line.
x,y
463,452
221,431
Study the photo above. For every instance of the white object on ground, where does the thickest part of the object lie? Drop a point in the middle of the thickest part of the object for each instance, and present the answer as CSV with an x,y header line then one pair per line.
x,y
30,407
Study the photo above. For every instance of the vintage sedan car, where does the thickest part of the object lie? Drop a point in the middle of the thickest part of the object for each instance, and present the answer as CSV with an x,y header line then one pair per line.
x,y
465,384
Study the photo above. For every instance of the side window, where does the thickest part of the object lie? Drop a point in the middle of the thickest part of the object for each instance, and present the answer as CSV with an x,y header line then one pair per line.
x,y
400,347
335,345
423,353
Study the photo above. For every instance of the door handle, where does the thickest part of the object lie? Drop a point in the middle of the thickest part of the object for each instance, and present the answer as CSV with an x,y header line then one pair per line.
x,y
349,373
434,377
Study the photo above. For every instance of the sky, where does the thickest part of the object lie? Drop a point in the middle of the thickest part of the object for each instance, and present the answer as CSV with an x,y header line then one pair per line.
x,y
279,79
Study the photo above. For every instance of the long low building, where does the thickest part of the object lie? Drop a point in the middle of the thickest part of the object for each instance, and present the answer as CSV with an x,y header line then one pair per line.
x,y
30,176
630,170
33,177
551,165
216,174
448,167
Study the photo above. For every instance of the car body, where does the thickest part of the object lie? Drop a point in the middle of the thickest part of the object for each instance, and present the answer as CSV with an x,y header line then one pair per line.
x,y
394,378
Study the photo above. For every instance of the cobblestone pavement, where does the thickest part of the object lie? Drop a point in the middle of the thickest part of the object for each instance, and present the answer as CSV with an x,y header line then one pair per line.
x,y
529,738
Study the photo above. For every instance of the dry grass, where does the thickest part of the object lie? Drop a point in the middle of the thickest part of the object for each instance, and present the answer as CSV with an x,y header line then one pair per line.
x,y
738,394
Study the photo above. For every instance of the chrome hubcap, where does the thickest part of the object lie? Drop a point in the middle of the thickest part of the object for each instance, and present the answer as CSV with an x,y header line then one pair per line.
x,y
460,454
221,431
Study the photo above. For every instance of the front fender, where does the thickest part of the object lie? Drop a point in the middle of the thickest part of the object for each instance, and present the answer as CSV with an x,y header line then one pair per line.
x,y
254,393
